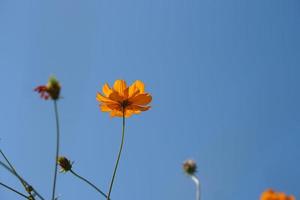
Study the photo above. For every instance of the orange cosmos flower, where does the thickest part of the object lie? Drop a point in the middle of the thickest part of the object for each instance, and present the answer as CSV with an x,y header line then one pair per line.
x,y
121,99
272,195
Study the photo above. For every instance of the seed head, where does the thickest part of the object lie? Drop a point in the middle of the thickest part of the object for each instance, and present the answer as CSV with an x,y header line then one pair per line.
x,y
64,163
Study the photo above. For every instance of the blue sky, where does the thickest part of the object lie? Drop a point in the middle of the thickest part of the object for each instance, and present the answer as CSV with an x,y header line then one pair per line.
x,y
224,76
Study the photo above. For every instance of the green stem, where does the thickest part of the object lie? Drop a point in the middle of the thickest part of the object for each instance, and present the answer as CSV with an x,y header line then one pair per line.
x,y
12,189
18,176
13,169
119,155
88,182
57,149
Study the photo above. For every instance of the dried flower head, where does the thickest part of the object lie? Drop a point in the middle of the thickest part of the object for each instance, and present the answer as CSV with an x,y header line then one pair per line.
x,y
122,100
272,195
64,163
29,188
31,197
51,90
189,167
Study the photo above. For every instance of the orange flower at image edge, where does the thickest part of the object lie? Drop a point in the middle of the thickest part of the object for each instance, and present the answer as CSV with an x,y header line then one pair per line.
x,y
272,195
122,99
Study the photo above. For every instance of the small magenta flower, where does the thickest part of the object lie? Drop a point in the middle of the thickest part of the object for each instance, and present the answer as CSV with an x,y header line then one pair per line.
x,y
64,163
51,90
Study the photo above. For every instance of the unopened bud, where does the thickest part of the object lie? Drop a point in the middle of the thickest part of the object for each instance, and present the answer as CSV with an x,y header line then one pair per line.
x,y
53,88
190,167
64,163
29,188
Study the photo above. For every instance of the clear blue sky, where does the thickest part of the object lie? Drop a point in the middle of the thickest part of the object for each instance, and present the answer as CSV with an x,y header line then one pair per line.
x,y
224,76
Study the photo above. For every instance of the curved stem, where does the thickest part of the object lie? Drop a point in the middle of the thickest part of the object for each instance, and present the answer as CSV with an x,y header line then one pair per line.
x,y
57,149
197,182
119,155
88,182
12,189
18,176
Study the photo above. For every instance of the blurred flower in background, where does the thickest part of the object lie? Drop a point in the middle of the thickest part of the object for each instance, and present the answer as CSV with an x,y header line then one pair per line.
x,y
272,195
190,168
52,89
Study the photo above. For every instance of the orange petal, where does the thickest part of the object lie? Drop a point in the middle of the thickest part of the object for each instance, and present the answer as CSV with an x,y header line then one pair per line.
x,y
120,87
135,107
291,197
128,113
141,99
106,90
103,99
115,96
110,106
105,108
114,106
116,113
137,87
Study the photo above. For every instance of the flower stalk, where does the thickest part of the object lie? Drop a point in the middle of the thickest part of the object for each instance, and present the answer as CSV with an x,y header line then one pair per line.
x,y
13,190
28,188
66,166
119,155
190,168
57,148
18,176
197,183
88,182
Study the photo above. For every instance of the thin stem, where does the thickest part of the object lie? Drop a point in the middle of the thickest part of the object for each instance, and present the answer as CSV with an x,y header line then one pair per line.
x,y
57,149
13,169
119,155
12,189
88,182
14,172
197,182
18,176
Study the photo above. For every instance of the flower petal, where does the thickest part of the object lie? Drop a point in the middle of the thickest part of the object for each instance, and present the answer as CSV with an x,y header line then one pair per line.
x,y
115,96
105,108
114,106
106,90
128,113
135,107
103,99
116,113
141,99
137,87
120,87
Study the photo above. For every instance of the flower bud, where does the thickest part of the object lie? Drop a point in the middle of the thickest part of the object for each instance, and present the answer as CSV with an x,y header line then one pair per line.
x,y
64,163
29,188
53,88
31,197
190,167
